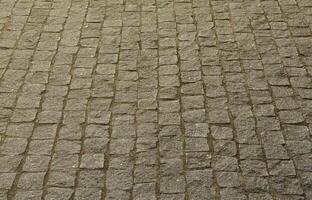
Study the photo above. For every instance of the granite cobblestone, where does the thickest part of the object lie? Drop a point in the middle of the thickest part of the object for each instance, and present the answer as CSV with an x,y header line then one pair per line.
x,y
155,99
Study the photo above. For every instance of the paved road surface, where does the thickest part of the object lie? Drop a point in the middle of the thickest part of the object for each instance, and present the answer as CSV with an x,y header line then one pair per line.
x,y
155,99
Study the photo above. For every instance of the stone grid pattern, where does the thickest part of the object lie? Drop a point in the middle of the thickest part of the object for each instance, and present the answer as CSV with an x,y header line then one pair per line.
x,y
155,99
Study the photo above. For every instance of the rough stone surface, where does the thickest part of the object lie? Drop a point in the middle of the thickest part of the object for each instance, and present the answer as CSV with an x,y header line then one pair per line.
x,y
155,99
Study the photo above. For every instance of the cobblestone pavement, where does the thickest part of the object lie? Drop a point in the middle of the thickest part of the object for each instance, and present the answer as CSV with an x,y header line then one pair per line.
x,y
155,99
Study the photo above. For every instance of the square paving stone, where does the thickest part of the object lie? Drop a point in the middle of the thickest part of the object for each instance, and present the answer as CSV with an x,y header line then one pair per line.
x,y
9,163
196,130
20,130
61,179
291,117
6,180
172,184
24,115
59,193
13,146
144,191
31,181
40,147
92,161
88,193
28,195
49,117
228,179
36,163
61,162
196,144
45,131
67,147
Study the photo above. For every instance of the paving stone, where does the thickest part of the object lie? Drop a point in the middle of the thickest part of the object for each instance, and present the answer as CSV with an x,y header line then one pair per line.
x,y
91,179
120,180
194,116
199,178
31,181
221,132
225,148
294,132
253,168
198,160
159,99
13,146
99,117
292,147
36,163
33,195
275,152
6,180
232,193
61,179
20,130
49,117
257,184
172,184
169,106
92,161
171,166
250,151
225,163
41,147
62,162
59,193
284,185
256,196
67,147
24,115
95,145
196,144
291,117
87,193
227,179
9,163
4,195
196,130
306,179
219,117
45,131
145,190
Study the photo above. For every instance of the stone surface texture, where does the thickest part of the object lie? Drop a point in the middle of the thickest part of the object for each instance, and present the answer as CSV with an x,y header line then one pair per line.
x,y
155,99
